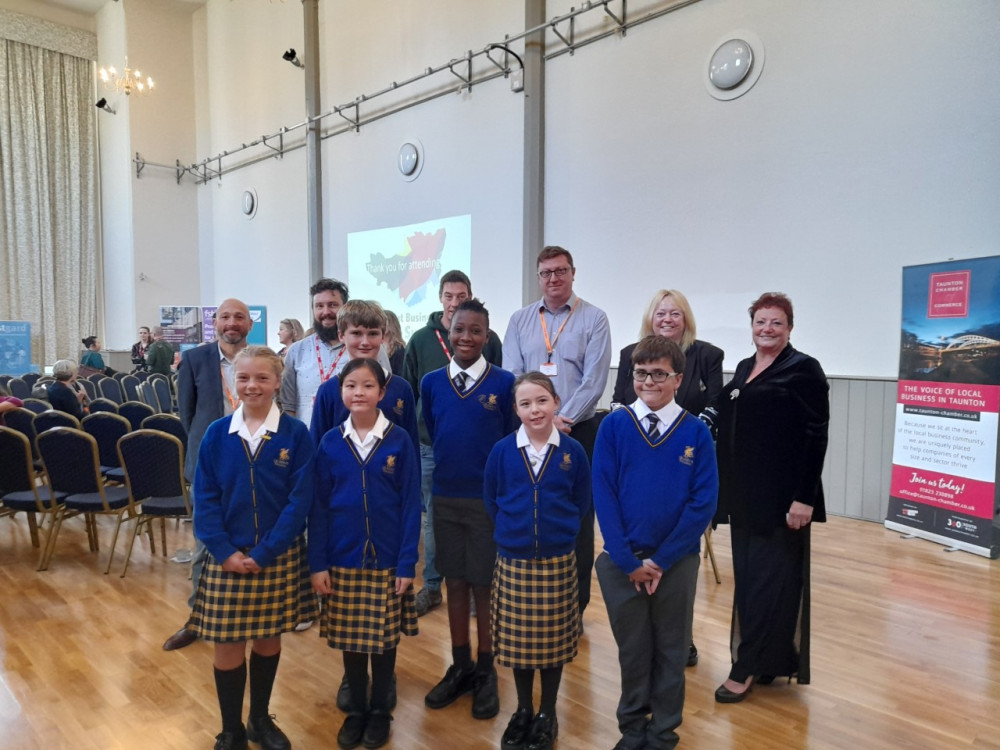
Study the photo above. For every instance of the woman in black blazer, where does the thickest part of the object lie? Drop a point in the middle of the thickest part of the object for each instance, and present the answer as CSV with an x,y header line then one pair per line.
x,y
669,314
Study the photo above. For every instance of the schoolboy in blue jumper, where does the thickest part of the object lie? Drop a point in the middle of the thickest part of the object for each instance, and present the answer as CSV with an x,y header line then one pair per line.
x,y
655,491
362,327
252,492
537,491
364,530
467,407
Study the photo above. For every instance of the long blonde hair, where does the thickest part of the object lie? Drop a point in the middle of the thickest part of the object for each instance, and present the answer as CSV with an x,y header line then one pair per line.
x,y
393,333
690,330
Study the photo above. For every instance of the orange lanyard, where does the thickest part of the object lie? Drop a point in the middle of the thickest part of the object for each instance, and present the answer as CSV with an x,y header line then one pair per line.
x,y
225,387
441,341
324,376
550,346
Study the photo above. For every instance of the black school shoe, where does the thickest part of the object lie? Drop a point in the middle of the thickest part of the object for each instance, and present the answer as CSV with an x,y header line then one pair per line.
x,y
485,699
345,704
351,731
517,730
377,729
456,683
264,731
231,740
543,732
692,655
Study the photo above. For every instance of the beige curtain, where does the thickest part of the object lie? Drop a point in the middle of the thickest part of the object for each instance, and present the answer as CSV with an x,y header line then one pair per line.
x,y
48,198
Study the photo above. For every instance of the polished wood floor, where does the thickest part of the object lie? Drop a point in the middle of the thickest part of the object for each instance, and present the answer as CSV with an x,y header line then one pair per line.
x,y
906,654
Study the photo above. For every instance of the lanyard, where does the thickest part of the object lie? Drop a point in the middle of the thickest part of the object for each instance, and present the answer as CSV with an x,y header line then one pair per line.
x,y
225,387
441,341
550,346
324,376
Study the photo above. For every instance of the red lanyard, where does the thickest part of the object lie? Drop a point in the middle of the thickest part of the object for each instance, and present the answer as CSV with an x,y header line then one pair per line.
x,y
441,341
324,376
550,347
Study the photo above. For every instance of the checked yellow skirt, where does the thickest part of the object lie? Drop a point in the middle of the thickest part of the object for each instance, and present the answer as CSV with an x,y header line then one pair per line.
x,y
364,615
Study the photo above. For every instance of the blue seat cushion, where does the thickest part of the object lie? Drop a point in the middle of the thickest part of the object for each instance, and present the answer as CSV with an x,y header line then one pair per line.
x,y
90,502
25,501
164,506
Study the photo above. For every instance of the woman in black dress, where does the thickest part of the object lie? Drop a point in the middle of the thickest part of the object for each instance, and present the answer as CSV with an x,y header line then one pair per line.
x,y
773,420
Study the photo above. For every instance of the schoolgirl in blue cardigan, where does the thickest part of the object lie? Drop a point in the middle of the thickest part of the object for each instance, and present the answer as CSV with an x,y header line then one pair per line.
x,y
537,490
364,531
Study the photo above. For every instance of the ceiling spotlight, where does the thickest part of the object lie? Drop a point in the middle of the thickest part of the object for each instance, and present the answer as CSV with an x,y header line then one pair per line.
x,y
292,58
102,103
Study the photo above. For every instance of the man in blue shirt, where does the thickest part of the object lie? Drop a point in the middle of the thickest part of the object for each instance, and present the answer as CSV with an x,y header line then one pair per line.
x,y
569,340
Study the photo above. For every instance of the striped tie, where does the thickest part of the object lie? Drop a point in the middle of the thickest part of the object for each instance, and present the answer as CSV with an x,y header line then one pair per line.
x,y
654,426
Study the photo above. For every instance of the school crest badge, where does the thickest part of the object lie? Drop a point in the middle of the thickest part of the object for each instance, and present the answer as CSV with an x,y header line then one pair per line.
x,y
283,458
687,457
399,407
489,402
567,462
390,465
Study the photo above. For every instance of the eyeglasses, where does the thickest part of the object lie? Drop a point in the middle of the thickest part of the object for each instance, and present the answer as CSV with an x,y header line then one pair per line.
x,y
558,272
658,376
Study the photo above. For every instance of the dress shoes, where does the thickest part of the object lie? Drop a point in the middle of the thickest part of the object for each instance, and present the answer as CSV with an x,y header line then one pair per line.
x,y
543,732
231,740
426,600
456,683
264,731
485,698
516,733
377,729
351,731
725,695
344,695
692,655
180,639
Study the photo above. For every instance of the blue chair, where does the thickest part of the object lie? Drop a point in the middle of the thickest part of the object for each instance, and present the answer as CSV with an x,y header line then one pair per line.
x,y
36,405
31,378
54,418
163,395
154,475
21,494
130,384
18,388
103,404
148,396
135,412
23,420
111,389
169,424
89,388
107,429
71,461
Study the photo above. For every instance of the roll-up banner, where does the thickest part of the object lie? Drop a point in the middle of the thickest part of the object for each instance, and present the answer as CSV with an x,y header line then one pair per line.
x,y
944,458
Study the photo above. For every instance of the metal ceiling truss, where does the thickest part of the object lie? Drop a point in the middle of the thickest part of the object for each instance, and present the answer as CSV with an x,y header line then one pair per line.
x,y
564,30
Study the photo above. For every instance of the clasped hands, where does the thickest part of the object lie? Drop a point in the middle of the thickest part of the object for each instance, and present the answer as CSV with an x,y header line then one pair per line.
x,y
240,563
646,576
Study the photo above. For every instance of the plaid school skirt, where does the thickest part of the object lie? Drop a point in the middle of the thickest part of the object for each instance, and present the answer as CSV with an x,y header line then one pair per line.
x,y
232,607
364,615
535,608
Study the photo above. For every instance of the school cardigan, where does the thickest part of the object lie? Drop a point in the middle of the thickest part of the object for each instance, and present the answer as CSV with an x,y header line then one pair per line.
x,y
654,498
397,405
536,517
366,514
259,509
464,427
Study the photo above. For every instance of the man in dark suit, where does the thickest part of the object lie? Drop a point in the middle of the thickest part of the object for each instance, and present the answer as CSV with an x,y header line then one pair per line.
x,y
206,391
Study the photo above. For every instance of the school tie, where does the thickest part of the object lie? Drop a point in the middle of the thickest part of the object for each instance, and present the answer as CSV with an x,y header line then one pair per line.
x,y
654,426
459,381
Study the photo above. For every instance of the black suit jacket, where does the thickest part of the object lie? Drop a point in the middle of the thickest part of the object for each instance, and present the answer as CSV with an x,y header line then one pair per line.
x,y
199,397
772,441
63,398
700,386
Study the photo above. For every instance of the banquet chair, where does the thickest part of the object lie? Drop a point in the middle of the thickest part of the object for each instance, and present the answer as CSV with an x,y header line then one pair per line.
x,y
71,461
96,377
31,378
169,424
18,388
23,420
107,429
111,389
54,418
162,388
36,405
103,404
154,475
130,385
148,396
22,494
135,412
89,388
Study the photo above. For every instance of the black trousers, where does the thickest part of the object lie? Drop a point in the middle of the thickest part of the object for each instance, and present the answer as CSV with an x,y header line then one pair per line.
x,y
586,433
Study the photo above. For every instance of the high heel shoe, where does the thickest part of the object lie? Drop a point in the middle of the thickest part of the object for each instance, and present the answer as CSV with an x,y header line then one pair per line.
x,y
725,695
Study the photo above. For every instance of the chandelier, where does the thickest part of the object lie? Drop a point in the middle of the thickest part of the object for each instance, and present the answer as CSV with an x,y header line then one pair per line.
x,y
127,82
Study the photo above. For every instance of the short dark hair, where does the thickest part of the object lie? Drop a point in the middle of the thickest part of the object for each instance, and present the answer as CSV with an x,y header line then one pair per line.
x,y
473,305
89,341
774,299
329,285
554,251
357,364
454,277
655,347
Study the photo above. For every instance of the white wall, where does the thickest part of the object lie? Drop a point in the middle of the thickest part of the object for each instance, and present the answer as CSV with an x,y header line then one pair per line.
x,y
869,143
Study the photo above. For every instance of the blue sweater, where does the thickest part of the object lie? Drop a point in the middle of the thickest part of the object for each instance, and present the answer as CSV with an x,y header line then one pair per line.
x,y
653,497
464,427
536,517
366,514
397,405
258,504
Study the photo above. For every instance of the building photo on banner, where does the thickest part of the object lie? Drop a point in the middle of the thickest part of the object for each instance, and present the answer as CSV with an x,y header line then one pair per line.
x,y
945,449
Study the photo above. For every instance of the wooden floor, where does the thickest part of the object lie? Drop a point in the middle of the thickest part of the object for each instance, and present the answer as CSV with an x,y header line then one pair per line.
x,y
906,653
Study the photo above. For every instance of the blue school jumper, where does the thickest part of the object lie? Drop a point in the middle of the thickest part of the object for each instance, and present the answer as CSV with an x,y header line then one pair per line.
x,y
397,405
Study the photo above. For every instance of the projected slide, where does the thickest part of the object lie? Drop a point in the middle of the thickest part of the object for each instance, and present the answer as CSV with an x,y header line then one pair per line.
x,y
401,267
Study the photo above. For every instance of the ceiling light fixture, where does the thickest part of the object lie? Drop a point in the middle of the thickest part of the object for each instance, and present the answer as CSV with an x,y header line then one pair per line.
x,y
127,82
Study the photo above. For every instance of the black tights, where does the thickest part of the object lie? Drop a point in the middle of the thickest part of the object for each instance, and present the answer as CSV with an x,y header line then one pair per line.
x,y
524,682
356,669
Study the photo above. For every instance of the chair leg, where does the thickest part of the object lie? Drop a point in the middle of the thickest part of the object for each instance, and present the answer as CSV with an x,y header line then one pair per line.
x,y
135,532
91,523
33,528
114,540
711,553
163,534
50,540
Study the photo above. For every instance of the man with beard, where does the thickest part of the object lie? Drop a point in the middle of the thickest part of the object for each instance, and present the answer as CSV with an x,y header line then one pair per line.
x,y
315,359
206,391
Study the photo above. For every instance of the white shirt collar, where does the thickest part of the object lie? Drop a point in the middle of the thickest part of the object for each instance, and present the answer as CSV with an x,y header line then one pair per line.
x,y
474,371
667,415
523,440
378,431
270,423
